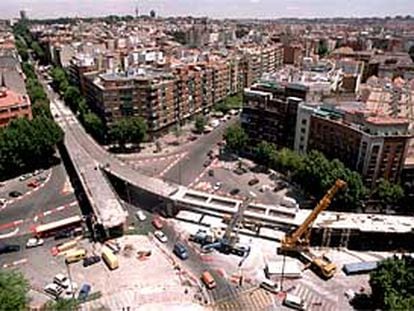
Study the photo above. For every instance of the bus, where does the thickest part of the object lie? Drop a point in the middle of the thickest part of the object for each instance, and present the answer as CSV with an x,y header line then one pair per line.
x,y
75,255
110,258
52,228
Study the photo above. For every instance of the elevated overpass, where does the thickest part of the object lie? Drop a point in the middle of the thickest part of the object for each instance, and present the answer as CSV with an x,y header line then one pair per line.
x,y
93,163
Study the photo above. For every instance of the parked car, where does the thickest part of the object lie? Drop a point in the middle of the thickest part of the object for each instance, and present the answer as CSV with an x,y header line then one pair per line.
x,y
210,173
9,248
3,202
41,178
207,163
25,177
61,280
37,172
161,236
181,251
253,182
84,292
235,191
33,184
34,242
156,222
217,186
63,234
53,289
15,194
89,261
140,215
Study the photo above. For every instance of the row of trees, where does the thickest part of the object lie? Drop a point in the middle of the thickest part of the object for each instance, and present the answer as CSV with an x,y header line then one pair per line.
x,y
28,144
314,172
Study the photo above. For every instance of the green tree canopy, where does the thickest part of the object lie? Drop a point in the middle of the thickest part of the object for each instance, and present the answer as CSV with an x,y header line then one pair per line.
x,y
26,144
60,81
388,193
236,138
200,124
266,153
392,284
128,130
72,98
13,291
62,305
94,126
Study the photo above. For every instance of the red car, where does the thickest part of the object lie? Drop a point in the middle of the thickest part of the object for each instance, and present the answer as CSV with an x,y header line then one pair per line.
x,y
156,222
33,184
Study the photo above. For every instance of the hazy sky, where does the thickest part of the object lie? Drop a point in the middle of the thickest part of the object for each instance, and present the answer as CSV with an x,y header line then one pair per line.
x,y
212,8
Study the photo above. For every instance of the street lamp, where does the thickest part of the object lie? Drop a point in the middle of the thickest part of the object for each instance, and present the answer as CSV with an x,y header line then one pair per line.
x,y
283,273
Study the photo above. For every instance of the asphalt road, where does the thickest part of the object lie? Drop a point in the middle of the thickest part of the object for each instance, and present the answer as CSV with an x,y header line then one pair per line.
x,y
189,168
42,199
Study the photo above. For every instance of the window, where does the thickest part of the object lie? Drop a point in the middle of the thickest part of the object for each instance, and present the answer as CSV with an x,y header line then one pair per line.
x,y
304,121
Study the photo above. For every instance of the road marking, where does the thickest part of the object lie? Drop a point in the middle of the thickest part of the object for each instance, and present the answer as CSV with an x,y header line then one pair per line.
x,y
60,208
172,164
199,177
47,213
15,263
36,218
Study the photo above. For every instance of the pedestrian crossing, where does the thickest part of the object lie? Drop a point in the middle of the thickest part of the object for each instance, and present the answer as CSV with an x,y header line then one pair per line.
x,y
252,300
133,299
314,300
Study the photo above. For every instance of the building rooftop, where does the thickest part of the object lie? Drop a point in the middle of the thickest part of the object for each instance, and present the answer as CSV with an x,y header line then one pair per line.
x,y
10,98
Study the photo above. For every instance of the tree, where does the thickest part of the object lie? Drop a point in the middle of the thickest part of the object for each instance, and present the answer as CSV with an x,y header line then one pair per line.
x,y
411,52
62,305
392,284
266,153
388,193
13,291
236,138
26,144
200,124
94,126
128,130
60,81
72,98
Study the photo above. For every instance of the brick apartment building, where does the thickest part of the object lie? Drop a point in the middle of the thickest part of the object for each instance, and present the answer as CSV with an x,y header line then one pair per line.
x,y
374,146
13,105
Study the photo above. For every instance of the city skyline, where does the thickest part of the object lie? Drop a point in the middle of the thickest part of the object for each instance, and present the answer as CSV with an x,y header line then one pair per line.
x,y
226,9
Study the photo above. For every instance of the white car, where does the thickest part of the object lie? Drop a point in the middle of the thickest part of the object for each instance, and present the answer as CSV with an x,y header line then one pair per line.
x,y
72,288
61,280
217,186
25,177
140,215
53,289
161,236
2,202
34,242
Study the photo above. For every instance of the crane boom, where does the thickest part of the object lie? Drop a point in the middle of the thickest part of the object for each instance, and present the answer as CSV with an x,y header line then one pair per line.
x,y
298,236
298,242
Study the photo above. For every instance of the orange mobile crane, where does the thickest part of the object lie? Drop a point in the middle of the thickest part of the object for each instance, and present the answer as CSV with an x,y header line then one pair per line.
x,y
297,242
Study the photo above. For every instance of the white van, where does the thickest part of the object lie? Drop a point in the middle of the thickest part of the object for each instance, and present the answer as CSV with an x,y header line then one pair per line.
x,y
294,302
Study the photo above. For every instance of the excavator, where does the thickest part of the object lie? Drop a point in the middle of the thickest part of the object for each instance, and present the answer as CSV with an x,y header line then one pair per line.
x,y
297,242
